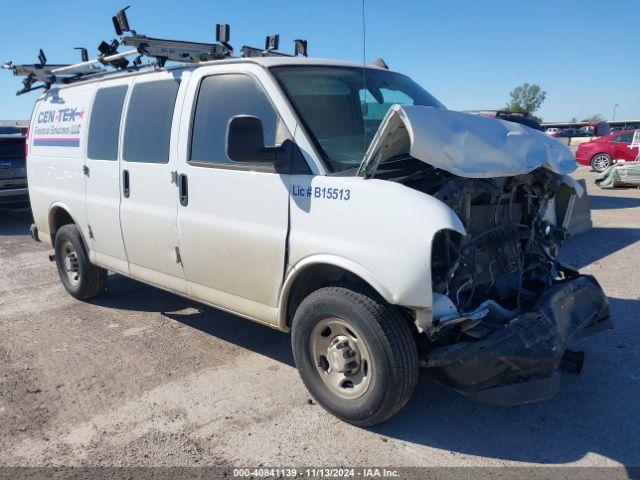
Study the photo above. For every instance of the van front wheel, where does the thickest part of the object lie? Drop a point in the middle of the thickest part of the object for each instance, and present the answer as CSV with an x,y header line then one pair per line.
x,y
355,354
81,278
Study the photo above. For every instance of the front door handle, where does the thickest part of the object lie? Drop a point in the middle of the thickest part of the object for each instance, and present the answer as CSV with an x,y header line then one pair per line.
x,y
125,183
183,186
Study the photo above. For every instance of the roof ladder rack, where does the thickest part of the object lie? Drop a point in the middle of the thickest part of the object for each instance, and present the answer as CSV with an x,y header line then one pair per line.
x,y
49,74
272,43
174,50
111,61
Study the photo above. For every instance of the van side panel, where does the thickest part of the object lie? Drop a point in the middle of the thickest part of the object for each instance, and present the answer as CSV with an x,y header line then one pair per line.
x,y
148,213
57,141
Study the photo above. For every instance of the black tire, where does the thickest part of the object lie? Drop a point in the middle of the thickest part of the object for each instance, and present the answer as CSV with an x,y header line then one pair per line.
x,y
393,372
89,280
600,162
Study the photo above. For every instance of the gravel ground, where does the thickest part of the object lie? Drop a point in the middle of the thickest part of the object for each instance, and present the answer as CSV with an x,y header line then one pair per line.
x,y
141,377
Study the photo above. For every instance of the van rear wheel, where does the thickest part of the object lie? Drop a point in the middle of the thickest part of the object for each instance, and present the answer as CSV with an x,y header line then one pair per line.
x,y
80,277
355,354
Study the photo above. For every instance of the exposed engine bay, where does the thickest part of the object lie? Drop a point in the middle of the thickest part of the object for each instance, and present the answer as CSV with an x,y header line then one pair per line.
x,y
501,281
508,254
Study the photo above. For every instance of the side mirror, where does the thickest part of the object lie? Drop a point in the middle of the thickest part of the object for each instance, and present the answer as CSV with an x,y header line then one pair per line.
x,y
245,141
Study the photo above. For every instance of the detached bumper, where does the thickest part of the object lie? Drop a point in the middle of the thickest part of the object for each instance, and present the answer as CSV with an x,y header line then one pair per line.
x,y
520,362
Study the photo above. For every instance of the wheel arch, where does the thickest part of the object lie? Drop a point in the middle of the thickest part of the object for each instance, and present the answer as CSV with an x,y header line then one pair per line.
x,y
59,215
318,271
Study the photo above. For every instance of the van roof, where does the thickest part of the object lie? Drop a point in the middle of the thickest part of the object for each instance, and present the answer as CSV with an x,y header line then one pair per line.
x,y
266,62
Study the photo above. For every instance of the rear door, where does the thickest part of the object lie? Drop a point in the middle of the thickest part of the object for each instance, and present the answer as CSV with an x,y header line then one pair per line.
x,y
149,194
103,176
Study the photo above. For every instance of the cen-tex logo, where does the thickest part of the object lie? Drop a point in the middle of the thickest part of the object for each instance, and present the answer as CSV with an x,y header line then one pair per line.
x,y
62,115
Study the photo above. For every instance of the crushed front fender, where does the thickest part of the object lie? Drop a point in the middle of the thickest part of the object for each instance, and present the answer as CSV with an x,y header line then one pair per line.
x,y
520,362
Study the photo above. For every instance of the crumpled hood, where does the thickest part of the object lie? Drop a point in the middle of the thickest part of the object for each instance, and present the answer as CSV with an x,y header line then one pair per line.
x,y
465,145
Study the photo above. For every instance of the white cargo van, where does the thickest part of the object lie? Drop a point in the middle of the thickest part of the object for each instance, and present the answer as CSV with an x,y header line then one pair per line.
x,y
344,204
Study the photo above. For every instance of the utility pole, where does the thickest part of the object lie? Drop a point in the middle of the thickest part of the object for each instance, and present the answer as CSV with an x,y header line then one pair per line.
x,y
615,107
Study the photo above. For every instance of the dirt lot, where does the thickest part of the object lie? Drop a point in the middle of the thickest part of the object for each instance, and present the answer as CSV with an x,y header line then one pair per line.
x,y
143,377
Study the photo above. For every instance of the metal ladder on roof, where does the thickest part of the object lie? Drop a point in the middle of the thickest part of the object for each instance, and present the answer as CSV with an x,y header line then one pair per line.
x,y
43,75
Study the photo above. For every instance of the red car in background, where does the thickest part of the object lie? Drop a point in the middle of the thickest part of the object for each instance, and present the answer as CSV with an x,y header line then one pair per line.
x,y
603,152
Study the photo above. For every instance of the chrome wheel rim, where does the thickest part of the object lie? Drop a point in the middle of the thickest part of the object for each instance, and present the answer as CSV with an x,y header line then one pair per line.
x,y
70,262
341,358
601,162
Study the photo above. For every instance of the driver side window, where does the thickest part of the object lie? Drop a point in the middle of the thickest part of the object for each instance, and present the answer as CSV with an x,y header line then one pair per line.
x,y
220,98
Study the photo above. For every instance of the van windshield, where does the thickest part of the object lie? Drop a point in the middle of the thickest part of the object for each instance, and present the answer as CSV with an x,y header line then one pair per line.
x,y
339,113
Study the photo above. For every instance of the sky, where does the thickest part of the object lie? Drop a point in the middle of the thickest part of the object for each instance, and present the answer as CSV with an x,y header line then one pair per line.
x,y
469,54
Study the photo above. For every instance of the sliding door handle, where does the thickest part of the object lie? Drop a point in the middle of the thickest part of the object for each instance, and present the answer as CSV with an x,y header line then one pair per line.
x,y
183,187
125,183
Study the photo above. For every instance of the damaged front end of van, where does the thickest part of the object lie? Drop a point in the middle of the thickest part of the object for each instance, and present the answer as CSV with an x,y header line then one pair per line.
x,y
504,309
